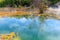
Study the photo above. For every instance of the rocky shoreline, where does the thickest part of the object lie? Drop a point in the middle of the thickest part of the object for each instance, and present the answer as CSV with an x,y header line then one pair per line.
x,y
54,12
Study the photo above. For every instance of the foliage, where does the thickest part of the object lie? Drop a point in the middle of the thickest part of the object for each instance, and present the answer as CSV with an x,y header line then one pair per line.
x,y
14,3
26,2
53,1
17,3
6,3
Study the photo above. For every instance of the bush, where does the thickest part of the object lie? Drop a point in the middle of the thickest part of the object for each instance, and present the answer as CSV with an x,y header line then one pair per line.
x,y
26,2
54,1
13,3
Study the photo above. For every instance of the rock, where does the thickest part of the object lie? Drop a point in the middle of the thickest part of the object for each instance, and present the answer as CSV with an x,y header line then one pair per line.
x,y
54,12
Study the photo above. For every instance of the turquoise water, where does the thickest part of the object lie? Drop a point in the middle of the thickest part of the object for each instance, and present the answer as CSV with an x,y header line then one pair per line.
x,y
31,28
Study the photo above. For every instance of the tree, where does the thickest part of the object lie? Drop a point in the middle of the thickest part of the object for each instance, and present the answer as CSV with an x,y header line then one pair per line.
x,y
52,2
40,4
13,3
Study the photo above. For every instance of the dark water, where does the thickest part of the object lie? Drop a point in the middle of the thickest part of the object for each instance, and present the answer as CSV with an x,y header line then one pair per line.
x,y
31,28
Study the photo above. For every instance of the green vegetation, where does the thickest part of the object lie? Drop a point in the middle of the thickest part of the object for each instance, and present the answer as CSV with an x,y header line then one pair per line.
x,y
42,5
17,3
14,3
54,1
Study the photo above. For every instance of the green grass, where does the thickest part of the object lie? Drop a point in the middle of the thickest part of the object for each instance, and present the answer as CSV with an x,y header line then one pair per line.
x,y
2,0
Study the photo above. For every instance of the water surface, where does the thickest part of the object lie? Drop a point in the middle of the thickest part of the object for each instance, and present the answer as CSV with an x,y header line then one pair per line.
x,y
36,28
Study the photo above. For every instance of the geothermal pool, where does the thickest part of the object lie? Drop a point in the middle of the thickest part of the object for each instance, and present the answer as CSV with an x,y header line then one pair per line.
x,y
31,28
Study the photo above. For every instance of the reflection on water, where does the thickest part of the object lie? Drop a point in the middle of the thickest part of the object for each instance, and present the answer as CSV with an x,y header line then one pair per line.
x,y
31,28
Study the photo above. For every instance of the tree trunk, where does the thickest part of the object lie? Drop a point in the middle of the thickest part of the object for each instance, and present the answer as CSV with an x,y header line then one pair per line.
x,y
40,5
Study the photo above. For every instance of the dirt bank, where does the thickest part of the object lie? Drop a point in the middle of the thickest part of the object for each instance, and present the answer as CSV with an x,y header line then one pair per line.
x,y
17,11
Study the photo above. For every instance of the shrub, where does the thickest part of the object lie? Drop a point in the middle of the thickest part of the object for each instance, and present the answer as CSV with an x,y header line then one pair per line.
x,y
54,1
13,3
